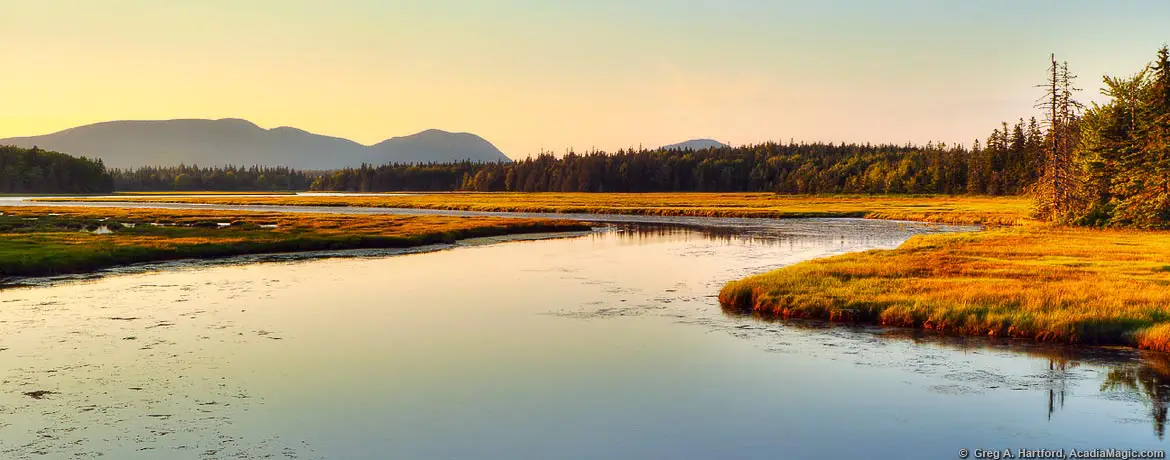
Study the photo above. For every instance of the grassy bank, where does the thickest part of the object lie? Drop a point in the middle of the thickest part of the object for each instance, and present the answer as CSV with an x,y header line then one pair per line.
x,y
48,241
224,193
945,209
1104,287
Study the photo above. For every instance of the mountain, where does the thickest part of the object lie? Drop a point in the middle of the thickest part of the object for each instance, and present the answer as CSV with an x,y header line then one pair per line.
x,y
128,144
695,144
436,145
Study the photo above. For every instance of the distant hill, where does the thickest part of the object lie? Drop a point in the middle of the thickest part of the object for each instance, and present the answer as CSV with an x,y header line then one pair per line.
x,y
436,145
128,144
695,144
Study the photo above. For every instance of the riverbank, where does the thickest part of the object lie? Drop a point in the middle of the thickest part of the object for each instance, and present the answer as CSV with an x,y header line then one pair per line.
x,y
1051,284
220,192
982,210
40,241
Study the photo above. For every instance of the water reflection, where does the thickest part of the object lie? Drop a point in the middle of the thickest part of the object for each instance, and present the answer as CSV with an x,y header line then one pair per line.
x,y
1148,380
1127,375
805,233
640,234
603,346
1058,376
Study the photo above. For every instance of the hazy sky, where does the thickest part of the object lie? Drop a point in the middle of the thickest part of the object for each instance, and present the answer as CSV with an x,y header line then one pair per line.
x,y
552,74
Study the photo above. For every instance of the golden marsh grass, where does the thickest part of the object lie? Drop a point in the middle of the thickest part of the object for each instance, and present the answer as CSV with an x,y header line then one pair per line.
x,y
1107,287
944,209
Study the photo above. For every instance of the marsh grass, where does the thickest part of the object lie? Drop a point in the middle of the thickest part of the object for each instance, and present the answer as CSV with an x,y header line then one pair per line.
x,y
213,192
49,241
1104,287
943,209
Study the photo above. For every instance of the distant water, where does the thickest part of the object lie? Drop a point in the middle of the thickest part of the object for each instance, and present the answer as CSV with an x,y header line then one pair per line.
x,y
608,345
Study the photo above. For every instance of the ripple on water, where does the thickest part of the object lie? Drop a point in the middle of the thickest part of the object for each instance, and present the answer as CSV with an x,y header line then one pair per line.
x,y
118,381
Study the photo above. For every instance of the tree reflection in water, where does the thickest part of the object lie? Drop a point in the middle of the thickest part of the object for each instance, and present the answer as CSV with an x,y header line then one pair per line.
x,y
1059,369
806,234
1148,380
1143,376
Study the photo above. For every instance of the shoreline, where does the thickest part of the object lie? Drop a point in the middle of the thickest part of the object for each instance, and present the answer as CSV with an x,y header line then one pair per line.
x,y
54,241
1040,283
278,257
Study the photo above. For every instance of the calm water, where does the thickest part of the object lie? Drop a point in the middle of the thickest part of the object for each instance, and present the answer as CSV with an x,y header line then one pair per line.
x,y
609,345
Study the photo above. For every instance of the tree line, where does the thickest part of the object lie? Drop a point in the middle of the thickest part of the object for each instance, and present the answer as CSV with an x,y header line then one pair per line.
x,y
226,178
39,171
1109,165
1008,164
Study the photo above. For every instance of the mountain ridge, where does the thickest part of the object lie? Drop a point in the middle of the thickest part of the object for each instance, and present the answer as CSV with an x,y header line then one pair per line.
x,y
236,141
695,144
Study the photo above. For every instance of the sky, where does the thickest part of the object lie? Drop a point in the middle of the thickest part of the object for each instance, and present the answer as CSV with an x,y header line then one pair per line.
x,y
549,75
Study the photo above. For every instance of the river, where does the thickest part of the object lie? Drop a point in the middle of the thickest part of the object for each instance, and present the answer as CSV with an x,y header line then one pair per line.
x,y
604,345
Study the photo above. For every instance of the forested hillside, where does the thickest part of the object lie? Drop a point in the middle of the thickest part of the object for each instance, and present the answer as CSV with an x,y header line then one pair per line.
x,y
39,171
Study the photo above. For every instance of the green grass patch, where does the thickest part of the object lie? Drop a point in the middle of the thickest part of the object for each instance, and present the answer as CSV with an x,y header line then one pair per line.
x,y
53,241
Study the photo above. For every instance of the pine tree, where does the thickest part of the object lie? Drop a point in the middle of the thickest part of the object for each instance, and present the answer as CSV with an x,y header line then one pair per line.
x,y
1156,140
1125,150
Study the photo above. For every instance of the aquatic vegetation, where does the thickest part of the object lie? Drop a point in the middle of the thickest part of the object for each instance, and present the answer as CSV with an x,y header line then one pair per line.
x,y
944,209
49,241
1047,283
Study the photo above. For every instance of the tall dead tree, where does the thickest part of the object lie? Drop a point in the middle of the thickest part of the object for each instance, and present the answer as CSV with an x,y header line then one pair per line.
x,y
1056,188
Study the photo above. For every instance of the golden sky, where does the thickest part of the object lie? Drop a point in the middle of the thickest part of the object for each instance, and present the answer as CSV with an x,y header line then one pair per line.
x,y
528,75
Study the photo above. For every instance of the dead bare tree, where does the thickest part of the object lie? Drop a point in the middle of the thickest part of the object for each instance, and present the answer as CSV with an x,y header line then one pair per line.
x,y
1056,188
